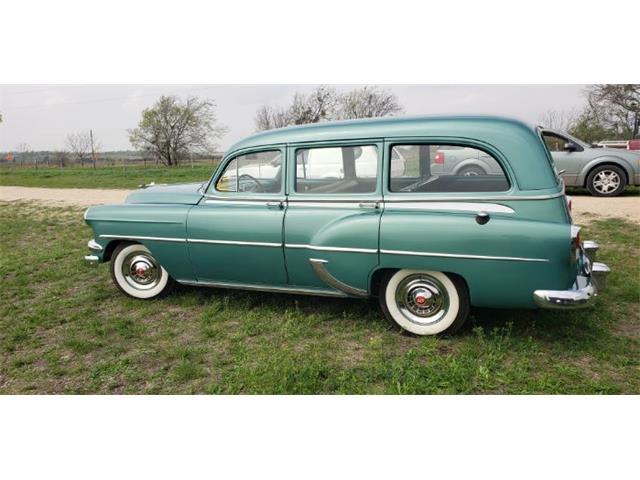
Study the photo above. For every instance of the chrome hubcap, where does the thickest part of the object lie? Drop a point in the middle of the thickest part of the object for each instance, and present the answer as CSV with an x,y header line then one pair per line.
x,y
141,271
471,173
422,299
606,181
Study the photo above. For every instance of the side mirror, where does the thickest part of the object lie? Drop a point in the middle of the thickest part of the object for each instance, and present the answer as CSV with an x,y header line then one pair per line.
x,y
570,147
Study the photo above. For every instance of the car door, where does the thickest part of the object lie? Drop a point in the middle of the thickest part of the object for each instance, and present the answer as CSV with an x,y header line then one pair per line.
x,y
235,232
333,215
570,162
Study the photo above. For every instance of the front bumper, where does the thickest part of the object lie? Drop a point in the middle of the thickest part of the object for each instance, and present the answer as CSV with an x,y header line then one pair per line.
x,y
94,258
585,288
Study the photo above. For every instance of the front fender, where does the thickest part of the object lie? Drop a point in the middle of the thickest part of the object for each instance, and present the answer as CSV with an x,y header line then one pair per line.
x,y
607,159
160,228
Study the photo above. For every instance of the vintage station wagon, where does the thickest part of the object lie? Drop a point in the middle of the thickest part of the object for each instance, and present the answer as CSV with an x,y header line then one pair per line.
x,y
361,209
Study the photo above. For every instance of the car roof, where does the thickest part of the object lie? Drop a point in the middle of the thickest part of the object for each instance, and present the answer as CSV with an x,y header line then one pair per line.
x,y
454,125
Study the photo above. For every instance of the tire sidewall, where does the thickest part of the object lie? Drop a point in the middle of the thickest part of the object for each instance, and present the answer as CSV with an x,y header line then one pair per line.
x,y
595,171
118,278
392,310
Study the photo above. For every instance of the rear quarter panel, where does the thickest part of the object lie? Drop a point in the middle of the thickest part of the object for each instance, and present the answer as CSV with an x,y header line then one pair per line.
x,y
543,246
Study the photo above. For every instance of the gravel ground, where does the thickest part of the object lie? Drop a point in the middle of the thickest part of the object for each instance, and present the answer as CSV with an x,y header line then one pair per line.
x,y
585,208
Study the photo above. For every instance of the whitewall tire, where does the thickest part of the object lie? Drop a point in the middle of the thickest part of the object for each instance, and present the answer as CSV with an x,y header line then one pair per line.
x,y
424,302
137,274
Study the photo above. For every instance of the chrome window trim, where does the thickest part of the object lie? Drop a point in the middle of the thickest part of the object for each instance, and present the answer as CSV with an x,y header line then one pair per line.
x,y
264,288
330,249
459,206
136,237
221,198
234,242
455,255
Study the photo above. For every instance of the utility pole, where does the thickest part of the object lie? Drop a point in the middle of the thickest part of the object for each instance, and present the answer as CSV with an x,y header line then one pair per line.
x,y
93,153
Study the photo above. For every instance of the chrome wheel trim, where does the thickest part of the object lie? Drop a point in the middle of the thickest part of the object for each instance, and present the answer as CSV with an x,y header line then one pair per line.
x,y
470,173
141,271
422,299
606,181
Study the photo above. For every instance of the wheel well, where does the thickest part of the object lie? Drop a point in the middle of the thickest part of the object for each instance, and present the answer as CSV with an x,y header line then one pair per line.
x,y
379,274
111,246
604,164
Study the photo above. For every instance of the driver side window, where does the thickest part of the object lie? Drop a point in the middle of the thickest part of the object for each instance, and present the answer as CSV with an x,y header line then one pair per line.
x,y
258,172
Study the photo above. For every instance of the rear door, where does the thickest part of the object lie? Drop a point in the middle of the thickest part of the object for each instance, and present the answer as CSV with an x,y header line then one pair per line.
x,y
333,214
235,233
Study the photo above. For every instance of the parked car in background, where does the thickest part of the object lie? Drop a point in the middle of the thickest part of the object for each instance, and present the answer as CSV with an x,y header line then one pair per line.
x,y
428,243
622,144
605,172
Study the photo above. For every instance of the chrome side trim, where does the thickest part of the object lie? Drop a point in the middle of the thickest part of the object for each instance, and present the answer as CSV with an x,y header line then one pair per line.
x,y
239,202
324,200
454,255
331,249
354,205
234,242
476,198
135,237
93,245
221,198
474,207
264,288
320,269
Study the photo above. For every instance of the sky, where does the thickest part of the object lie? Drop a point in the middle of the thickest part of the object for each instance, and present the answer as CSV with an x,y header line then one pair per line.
x,y
41,116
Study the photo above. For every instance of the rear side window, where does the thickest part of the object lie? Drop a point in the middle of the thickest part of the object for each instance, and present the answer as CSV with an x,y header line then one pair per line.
x,y
334,170
444,168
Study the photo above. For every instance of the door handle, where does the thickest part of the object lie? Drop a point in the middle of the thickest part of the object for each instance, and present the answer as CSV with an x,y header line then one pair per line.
x,y
371,205
275,205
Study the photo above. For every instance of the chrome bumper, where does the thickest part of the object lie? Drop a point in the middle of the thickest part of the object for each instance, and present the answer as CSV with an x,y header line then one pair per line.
x,y
585,289
95,247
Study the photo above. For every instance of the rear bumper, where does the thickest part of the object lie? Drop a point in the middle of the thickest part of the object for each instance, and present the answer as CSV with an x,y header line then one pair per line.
x,y
585,288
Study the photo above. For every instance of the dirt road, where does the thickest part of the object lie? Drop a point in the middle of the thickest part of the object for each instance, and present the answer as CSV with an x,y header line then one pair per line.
x,y
585,208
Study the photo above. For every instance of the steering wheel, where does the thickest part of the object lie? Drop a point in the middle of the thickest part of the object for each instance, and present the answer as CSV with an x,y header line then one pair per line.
x,y
253,179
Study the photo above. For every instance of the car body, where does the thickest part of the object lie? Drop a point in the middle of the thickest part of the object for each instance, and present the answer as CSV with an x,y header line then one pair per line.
x,y
603,171
428,244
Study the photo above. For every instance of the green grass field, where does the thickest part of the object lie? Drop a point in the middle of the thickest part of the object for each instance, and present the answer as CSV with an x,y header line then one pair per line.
x,y
65,329
103,177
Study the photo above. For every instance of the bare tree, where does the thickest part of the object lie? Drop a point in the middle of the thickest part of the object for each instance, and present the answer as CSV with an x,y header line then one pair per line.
x,y
61,157
561,120
172,129
324,103
24,153
368,102
617,106
268,117
79,144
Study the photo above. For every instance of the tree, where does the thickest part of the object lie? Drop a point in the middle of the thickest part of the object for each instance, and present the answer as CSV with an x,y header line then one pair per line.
x,y
324,103
172,129
79,144
562,121
61,157
617,107
368,102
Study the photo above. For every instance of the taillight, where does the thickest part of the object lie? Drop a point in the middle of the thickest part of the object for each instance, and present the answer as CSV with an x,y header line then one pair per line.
x,y
439,158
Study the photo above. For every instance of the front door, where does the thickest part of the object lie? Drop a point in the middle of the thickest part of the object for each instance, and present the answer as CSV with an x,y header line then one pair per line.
x,y
566,161
333,215
235,233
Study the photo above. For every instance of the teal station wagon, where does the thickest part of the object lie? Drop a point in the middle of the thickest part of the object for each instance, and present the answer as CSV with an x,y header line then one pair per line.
x,y
361,209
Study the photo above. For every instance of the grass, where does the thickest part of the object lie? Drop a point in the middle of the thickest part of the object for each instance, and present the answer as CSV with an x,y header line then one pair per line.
x,y
103,177
65,329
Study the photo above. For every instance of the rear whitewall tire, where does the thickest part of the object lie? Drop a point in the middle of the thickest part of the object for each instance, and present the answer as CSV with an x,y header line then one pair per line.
x,y
448,298
157,283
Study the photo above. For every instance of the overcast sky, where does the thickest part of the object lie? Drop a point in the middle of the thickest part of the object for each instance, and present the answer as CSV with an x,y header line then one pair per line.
x,y
42,115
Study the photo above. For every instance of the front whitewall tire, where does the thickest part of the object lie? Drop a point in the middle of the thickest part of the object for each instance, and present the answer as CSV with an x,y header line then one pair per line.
x,y
127,258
